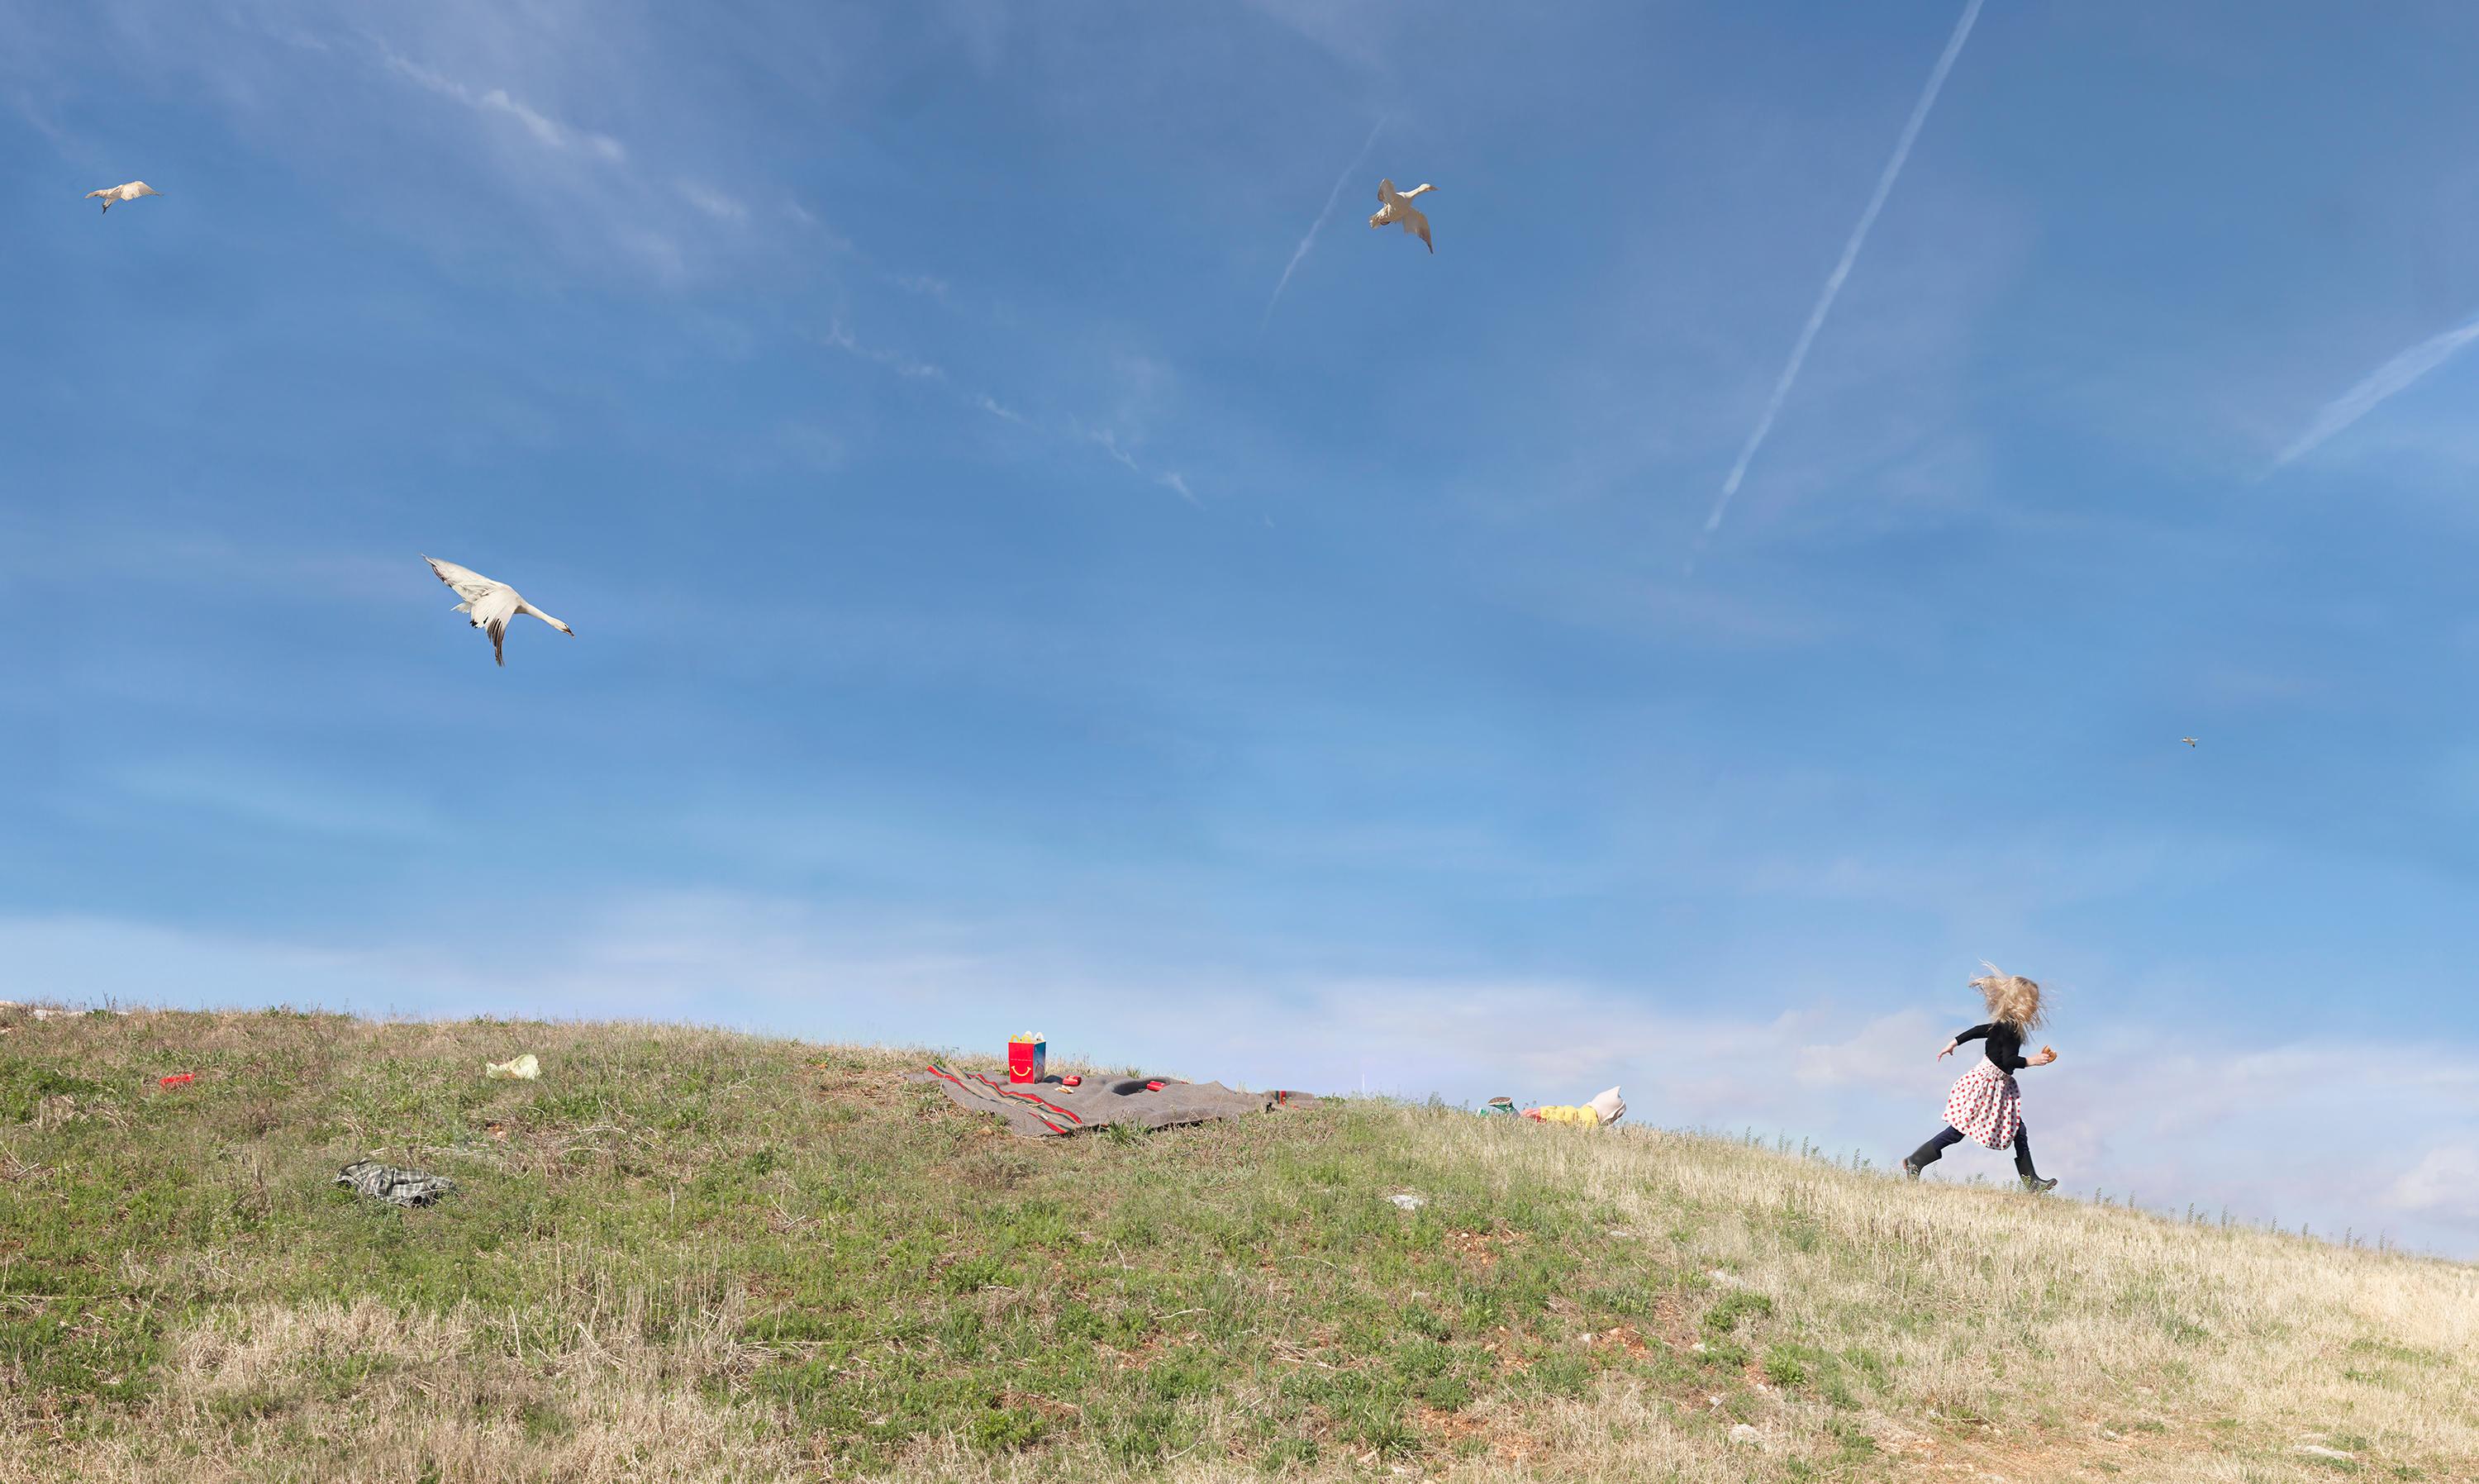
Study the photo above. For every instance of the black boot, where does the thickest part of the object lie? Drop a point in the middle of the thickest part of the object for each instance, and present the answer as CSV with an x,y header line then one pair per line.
x,y
1929,1153
2024,1166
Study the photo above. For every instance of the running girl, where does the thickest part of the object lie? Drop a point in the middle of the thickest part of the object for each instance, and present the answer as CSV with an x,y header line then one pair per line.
x,y
1984,1102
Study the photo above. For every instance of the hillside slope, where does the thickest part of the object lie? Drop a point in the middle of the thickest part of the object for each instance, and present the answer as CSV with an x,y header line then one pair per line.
x,y
691,1255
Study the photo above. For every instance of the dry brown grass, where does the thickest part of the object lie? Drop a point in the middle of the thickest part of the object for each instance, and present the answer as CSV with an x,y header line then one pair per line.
x,y
2044,1339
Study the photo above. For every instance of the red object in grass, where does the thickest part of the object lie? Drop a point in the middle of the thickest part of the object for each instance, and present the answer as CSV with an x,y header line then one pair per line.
x,y
1152,1087
179,1078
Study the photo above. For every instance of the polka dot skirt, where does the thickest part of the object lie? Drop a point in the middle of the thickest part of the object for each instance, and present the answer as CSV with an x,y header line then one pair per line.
x,y
1986,1104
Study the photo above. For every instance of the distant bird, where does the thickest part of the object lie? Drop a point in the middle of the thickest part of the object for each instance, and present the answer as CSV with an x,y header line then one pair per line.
x,y
1396,210
2190,741
128,192
491,603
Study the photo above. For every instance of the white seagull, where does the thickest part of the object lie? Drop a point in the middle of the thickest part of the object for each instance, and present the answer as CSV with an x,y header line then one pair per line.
x,y
1394,210
2190,741
491,603
128,192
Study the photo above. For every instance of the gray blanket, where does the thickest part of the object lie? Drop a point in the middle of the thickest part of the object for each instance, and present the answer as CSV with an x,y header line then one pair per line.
x,y
1045,1110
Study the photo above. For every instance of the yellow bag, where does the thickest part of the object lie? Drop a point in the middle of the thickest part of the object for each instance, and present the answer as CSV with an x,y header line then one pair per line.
x,y
1580,1117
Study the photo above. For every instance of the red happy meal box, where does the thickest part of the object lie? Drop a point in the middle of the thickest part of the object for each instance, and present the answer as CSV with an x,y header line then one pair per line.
x,y
1026,1054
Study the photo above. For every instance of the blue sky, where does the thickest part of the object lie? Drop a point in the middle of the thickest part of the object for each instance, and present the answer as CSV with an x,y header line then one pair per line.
x,y
996,611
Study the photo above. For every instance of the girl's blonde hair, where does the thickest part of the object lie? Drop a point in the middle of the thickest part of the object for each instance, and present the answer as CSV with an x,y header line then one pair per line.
x,y
2012,998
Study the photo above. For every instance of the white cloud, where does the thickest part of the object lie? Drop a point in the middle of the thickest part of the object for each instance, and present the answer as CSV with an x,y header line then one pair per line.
x,y
2444,1182
1309,239
841,336
1146,372
1833,281
2387,381
545,130
714,203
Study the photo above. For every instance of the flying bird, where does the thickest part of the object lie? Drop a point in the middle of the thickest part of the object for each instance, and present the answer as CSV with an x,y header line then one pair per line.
x,y
2190,741
1396,210
491,603
128,192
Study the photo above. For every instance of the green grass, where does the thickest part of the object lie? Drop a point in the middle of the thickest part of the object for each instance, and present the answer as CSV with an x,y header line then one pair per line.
x,y
840,1274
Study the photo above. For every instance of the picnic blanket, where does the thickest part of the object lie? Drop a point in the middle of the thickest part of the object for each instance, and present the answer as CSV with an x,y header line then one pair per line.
x,y
1045,1110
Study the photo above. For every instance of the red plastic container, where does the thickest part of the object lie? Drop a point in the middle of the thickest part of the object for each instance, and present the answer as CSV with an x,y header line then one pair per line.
x,y
1026,1054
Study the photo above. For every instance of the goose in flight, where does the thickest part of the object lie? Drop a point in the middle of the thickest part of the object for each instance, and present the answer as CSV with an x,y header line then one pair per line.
x,y
1397,209
2190,741
128,192
491,603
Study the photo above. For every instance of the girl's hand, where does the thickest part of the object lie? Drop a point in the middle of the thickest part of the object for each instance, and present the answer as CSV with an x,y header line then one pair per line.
x,y
1948,1051
2047,1055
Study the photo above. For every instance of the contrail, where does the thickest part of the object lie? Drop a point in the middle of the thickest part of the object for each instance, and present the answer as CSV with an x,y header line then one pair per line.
x,y
1332,196
2395,375
1842,270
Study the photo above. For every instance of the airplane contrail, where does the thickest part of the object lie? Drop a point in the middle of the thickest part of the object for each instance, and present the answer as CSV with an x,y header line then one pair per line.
x,y
2395,375
1842,270
1332,196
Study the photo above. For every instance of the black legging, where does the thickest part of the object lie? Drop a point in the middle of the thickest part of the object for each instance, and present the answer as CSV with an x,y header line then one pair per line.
x,y
1945,1139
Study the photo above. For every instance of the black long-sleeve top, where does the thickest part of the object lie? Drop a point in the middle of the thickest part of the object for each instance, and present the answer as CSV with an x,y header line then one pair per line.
x,y
2004,1043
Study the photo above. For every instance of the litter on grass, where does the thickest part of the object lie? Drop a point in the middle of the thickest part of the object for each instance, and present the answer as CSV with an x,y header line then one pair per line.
x,y
179,1079
1040,1109
393,1184
523,1068
1409,1202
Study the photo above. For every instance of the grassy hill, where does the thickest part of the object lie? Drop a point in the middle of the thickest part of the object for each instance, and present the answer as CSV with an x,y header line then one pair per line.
x,y
690,1255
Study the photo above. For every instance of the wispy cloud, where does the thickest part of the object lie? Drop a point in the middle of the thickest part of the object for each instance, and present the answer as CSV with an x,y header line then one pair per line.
x,y
998,409
1309,239
922,284
1842,269
714,203
2386,381
841,337
1108,441
547,131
